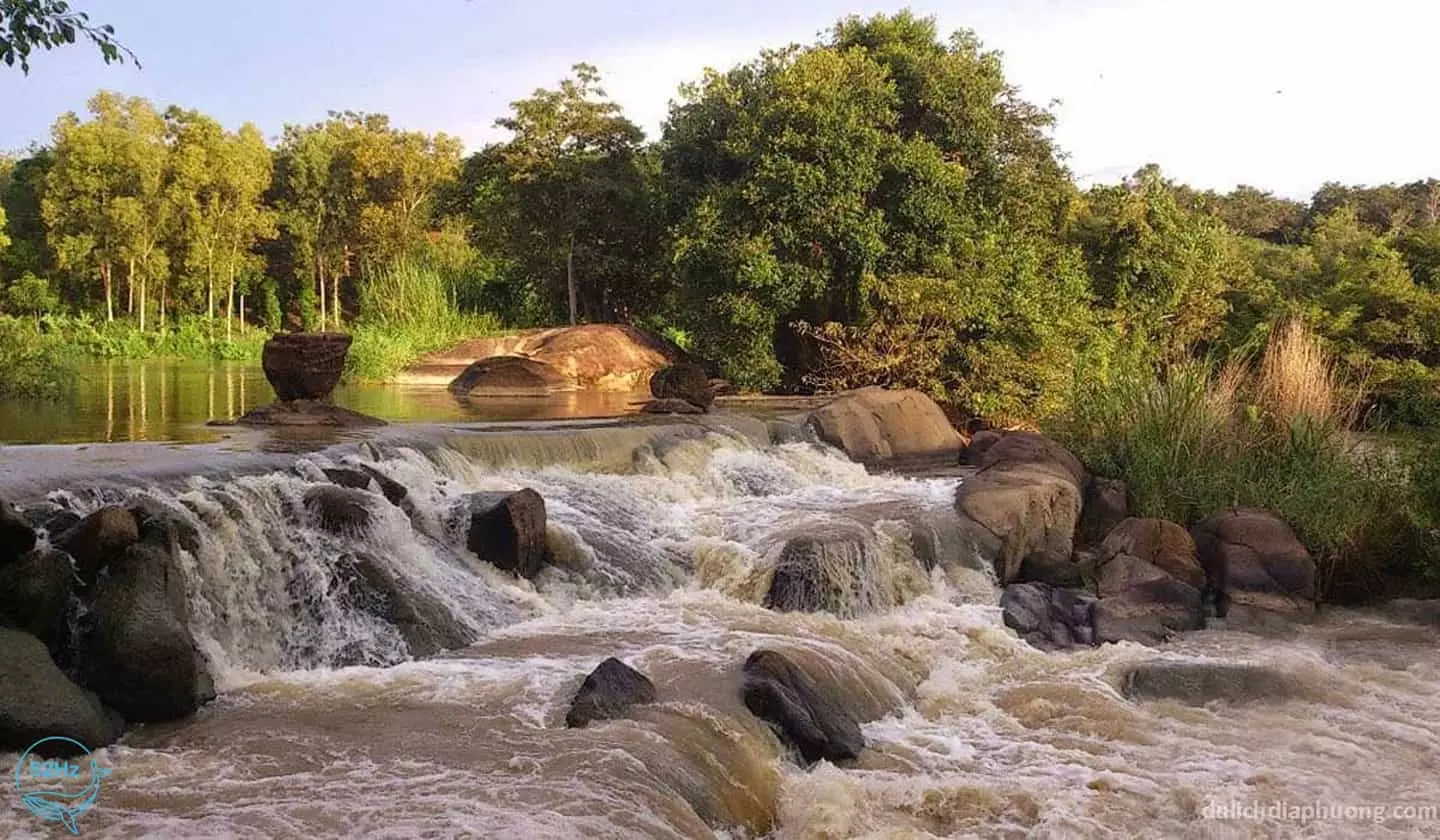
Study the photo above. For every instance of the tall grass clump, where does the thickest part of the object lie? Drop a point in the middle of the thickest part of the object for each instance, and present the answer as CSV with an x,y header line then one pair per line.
x,y
407,309
1274,433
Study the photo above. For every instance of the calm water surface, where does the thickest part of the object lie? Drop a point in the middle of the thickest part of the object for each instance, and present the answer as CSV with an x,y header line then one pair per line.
x,y
173,400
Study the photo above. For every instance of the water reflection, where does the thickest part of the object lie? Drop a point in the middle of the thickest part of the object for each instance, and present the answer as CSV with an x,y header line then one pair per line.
x,y
173,400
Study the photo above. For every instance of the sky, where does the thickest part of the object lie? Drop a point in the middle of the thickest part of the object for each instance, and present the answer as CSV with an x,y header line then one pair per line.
x,y
1280,94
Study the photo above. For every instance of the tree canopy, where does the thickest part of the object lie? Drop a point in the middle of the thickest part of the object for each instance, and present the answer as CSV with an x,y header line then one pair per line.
x,y
27,25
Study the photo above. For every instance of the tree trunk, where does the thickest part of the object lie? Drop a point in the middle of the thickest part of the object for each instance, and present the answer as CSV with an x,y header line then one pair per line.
x,y
142,302
229,302
130,289
570,278
320,273
335,290
109,295
164,293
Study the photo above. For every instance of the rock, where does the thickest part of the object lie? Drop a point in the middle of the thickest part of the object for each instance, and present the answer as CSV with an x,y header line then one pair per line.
x,y
1253,559
1149,583
34,592
980,443
687,382
138,654
59,522
671,406
605,357
806,715
1048,617
1041,568
305,413
424,622
304,366
1028,511
345,477
339,510
1031,449
1106,505
509,376
163,525
98,539
1199,683
38,701
608,692
835,572
16,536
395,493
507,530
878,427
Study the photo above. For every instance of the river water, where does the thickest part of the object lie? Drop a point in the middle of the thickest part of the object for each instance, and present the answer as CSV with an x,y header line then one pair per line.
x,y
663,548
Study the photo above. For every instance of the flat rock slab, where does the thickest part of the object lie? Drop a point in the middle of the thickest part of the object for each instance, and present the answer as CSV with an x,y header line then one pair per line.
x,y
305,413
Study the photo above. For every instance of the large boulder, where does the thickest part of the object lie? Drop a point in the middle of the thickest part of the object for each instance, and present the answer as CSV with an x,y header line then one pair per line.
x,y
1149,583
835,571
979,444
1106,505
1034,450
138,653
34,593
16,535
304,366
605,357
38,701
509,376
688,382
876,426
1252,559
609,690
1199,683
1028,511
808,716
97,539
423,621
507,530
1048,617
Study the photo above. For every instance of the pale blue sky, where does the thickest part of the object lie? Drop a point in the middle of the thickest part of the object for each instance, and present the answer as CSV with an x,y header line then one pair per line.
x,y
1283,94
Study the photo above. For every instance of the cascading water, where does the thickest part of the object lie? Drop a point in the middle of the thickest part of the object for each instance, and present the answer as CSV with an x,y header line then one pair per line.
x,y
663,549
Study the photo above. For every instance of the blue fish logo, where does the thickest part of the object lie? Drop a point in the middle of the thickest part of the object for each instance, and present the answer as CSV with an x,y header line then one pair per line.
x,y
59,790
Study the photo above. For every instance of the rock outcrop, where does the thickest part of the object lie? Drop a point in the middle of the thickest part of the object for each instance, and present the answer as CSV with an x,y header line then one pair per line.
x,y
878,427
1149,583
671,406
507,530
608,692
305,413
304,366
687,382
509,376
1252,559
38,701
808,716
604,357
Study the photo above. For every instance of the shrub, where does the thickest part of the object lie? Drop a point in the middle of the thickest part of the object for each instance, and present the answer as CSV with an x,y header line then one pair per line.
x,y
30,366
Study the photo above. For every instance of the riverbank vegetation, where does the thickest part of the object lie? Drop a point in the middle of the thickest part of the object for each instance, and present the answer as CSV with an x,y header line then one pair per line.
x,y
879,207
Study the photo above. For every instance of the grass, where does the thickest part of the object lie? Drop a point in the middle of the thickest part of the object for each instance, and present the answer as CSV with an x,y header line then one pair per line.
x,y
1274,434
187,338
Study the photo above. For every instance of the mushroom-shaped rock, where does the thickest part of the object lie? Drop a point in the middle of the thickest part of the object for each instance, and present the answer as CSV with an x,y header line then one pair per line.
x,y
305,366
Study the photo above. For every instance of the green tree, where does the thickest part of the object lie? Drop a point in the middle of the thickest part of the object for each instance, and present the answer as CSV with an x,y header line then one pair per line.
x,y
46,24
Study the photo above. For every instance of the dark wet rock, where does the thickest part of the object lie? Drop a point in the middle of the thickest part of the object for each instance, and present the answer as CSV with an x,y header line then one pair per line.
x,y
609,690
165,526
671,406
34,592
507,530
879,427
346,477
1199,683
38,701
509,375
395,493
339,510
980,443
305,413
16,536
1106,505
835,572
59,522
784,431
305,366
1040,568
1253,559
98,539
1049,617
807,715
423,621
684,381
1149,583
138,653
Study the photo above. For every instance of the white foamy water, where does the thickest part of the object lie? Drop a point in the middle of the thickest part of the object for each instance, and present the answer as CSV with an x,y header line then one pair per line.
x,y
664,564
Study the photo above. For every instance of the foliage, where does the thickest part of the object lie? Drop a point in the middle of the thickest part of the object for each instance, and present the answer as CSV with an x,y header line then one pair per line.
x,y
410,310
30,367
46,24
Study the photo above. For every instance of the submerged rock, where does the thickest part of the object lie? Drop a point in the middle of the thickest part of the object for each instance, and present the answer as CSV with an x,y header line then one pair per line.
x,y
609,690
1199,683
98,539
346,477
34,592
1049,617
686,382
339,510
836,572
423,621
879,427
38,701
16,535
807,716
507,530
1253,559
509,375
305,413
138,654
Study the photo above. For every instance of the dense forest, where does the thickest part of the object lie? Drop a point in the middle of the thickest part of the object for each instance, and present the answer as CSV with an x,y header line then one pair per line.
x,y
878,207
